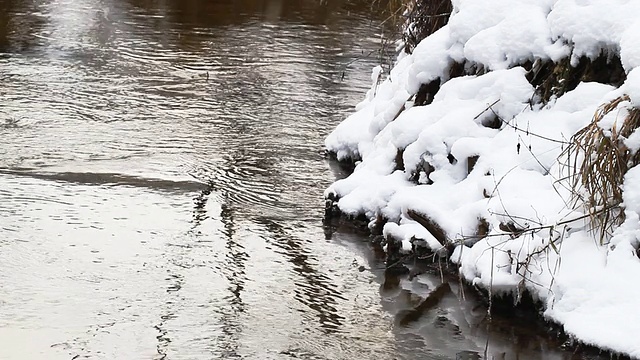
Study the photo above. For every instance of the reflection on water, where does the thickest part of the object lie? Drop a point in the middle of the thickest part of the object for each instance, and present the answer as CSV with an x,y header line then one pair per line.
x,y
161,185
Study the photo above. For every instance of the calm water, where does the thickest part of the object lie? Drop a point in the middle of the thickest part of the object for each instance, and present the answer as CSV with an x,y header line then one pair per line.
x,y
161,179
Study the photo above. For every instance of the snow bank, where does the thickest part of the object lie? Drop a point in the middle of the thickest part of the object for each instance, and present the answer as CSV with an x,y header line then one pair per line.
x,y
485,159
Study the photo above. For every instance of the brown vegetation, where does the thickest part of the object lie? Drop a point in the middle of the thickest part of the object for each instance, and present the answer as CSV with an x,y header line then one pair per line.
x,y
554,79
601,159
425,17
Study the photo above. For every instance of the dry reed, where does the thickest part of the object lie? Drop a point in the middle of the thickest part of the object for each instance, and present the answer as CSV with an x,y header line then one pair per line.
x,y
606,160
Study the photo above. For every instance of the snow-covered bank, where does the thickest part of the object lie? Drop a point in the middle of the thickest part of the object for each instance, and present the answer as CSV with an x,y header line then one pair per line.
x,y
482,132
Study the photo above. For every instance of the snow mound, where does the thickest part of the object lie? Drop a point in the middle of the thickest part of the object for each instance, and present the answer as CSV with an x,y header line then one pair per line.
x,y
483,155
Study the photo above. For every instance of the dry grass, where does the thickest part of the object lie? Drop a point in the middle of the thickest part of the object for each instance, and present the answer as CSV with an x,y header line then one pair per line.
x,y
427,16
394,10
396,7
606,161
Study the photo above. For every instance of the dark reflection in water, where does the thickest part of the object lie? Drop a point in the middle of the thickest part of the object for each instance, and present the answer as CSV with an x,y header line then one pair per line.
x,y
314,289
234,269
161,179
18,20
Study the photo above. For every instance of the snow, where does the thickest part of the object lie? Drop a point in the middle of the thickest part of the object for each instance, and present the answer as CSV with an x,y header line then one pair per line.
x,y
632,86
501,38
630,47
595,291
458,171
593,25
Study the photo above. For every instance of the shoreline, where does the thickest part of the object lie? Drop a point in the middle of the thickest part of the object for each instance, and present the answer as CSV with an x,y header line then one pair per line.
x,y
504,140
411,265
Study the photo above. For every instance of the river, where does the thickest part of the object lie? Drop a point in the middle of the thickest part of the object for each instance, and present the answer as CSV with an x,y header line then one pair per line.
x,y
161,179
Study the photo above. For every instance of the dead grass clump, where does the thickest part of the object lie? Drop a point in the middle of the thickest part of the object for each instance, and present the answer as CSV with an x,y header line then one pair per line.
x,y
394,10
606,161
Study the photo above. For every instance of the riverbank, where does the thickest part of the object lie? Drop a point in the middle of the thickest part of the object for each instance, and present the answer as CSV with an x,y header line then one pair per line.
x,y
472,149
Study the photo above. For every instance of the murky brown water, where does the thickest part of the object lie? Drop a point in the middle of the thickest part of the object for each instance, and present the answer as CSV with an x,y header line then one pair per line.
x,y
161,188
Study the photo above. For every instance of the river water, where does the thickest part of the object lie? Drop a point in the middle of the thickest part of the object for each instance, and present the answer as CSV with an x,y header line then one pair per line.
x,y
161,179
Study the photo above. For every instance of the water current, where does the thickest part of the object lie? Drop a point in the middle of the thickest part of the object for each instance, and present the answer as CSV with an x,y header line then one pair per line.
x,y
161,179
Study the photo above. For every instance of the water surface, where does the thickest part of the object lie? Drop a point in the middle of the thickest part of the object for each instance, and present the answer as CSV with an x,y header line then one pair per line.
x,y
161,179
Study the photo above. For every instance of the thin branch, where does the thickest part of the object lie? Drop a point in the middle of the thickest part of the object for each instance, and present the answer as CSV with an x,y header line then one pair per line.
x,y
529,132
526,131
485,110
540,228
